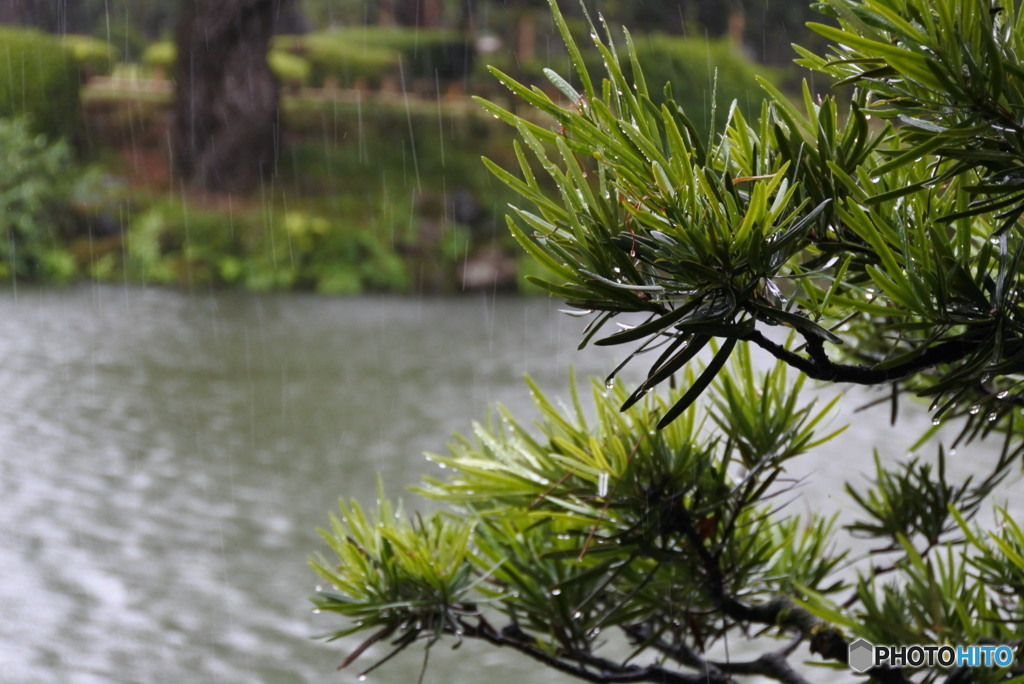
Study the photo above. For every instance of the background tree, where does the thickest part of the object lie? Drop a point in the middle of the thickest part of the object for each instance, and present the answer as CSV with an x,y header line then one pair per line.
x,y
16,12
876,243
226,135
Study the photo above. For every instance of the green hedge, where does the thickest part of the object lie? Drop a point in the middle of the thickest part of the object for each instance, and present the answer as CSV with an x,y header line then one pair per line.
x,y
160,55
425,52
333,58
368,54
40,79
698,69
290,69
94,56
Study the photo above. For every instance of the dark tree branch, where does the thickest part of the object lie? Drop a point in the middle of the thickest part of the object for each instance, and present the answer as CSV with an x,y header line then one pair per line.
x,y
592,669
680,652
773,665
818,366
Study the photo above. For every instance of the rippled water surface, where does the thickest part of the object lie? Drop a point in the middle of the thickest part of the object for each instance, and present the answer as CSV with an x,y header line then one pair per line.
x,y
165,460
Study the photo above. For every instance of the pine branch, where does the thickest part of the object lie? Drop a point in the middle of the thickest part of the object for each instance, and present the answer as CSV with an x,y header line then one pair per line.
x,y
817,365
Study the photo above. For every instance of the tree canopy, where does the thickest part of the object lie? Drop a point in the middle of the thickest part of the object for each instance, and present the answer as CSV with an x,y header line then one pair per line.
x,y
870,236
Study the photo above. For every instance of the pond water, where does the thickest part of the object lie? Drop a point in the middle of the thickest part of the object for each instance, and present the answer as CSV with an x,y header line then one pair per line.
x,y
167,458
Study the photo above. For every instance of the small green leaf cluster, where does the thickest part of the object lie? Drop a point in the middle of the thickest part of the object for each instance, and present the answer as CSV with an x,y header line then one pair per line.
x,y
168,242
950,597
94,56
915,500
405,578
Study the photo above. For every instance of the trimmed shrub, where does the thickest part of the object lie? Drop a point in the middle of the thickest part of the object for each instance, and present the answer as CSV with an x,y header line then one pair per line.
x,y
94,56
426,53
703,74
291,70
366,55
160,55
336,59
38,78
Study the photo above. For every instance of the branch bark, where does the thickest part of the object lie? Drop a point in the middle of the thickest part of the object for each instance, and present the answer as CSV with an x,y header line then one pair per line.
x,y
818,366
590,668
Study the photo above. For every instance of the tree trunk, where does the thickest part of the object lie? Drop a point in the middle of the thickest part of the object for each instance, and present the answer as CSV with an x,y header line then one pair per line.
x,y
226,129
418,13
17,12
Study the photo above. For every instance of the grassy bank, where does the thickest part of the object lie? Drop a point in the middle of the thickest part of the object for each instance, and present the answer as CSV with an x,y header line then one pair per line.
x,y
380,192
377,188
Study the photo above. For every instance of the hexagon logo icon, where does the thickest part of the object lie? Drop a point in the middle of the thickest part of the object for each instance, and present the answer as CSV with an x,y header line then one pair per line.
x,y
862,655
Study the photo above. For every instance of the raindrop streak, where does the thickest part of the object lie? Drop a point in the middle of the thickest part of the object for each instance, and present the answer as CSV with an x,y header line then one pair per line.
x,y
602,484
408,118
361,145
440,116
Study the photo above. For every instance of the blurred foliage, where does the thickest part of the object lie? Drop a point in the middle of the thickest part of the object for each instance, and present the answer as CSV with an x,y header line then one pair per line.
x,y
172,243
35,178
397,182
338,62
95,57
108,19
39,78
418,181
365,55
291,70
161,55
